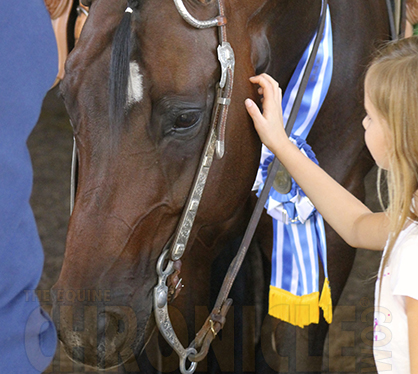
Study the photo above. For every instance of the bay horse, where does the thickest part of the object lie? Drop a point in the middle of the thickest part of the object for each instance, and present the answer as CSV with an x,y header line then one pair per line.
x,y
138,155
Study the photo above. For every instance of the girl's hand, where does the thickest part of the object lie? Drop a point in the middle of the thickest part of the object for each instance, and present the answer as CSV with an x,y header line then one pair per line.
x,y
358,226
269,125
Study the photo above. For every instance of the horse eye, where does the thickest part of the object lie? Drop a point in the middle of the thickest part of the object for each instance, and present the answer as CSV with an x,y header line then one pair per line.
x,y
187,120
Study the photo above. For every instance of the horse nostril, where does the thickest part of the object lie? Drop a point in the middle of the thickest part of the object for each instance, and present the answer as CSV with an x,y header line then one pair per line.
x,y
111,336
110,324
101,324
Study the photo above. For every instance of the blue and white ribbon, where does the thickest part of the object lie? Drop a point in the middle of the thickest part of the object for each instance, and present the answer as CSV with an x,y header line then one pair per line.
x,y
299,235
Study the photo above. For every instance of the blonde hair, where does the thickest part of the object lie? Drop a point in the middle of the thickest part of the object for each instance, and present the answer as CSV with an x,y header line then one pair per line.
x,y
392,87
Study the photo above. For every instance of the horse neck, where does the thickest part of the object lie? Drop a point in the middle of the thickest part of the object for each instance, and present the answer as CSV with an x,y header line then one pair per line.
x,y
280,32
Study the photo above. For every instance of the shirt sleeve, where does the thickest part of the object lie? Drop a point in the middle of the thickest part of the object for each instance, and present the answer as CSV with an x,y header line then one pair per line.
x,y
406,283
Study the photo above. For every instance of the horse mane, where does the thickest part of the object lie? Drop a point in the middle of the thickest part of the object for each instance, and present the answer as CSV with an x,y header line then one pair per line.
x,y
119,68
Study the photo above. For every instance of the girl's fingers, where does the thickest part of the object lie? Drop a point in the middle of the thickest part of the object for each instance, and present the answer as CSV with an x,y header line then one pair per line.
x,y
269,122
269,79
253,110
270,89
277,92
266,82
264,78
269,95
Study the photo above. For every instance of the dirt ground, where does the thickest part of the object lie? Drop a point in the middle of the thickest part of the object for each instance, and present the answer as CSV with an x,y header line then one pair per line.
x,y
349,346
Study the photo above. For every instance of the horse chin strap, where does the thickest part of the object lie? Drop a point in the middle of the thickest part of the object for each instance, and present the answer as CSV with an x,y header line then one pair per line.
x,y
174,250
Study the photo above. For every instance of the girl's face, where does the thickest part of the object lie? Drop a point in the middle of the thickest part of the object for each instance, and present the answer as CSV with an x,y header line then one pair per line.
x,y
377,135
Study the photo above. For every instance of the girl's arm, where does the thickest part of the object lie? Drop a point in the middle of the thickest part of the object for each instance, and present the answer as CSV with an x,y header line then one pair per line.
x,y
412,314
352,220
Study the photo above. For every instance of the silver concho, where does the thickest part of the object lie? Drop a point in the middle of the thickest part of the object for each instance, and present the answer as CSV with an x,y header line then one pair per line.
x,y
226,58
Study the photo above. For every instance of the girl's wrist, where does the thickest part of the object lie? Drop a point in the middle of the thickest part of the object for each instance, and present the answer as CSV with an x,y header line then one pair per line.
x,y
282,147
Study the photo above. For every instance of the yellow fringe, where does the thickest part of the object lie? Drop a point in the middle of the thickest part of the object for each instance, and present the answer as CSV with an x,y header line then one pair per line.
x,y
326,302
300,310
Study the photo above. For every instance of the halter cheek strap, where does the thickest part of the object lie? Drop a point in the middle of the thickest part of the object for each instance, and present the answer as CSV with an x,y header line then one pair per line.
x,y
175,248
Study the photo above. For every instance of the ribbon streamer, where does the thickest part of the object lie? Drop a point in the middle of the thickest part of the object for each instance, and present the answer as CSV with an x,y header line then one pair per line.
x,y
299,235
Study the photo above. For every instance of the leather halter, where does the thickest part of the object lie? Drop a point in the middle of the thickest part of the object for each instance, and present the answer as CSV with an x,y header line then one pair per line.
x,y
398,14
215,143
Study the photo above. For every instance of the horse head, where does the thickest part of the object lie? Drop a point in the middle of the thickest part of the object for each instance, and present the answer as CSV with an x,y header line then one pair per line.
x,y
140,88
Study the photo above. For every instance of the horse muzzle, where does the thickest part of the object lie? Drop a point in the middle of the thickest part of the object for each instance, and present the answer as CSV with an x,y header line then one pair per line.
x,y
95,334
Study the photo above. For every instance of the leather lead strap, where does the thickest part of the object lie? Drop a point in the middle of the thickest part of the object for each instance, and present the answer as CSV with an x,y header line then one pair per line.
x,y
397,18
213,323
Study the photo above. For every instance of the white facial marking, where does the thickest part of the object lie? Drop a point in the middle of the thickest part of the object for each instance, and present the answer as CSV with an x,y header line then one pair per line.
x,y
135,87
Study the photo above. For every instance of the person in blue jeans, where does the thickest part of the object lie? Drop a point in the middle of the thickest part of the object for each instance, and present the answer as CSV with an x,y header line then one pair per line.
x,y
28,67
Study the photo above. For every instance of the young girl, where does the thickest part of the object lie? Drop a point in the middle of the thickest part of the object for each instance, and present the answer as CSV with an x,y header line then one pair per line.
x,y
391,135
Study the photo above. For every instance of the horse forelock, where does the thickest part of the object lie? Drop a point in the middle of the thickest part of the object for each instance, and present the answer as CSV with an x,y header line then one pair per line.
x,y
125,80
